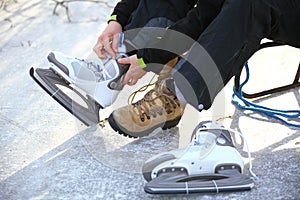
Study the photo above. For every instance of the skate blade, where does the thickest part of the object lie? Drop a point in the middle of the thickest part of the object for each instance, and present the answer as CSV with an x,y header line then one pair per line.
x,y
180,183
49,81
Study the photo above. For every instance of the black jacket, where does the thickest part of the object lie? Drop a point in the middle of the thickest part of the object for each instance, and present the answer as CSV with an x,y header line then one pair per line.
x,y
191,17
197,19
171,9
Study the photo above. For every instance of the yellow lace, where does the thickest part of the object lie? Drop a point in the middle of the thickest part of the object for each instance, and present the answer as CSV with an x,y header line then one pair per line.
x,y
146,107
142,89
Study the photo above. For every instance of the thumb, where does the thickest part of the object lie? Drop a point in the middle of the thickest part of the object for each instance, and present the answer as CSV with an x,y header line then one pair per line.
x,y
126,79
124,60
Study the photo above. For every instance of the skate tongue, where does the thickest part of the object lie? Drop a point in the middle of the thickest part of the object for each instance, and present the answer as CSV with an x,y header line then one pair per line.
x,y
121,46
203,137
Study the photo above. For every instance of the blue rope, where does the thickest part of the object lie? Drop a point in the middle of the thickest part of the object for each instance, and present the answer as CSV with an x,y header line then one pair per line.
x,y
283,115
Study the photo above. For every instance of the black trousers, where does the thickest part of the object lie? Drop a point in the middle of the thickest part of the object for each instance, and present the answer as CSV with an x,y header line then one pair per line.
x,y
230,40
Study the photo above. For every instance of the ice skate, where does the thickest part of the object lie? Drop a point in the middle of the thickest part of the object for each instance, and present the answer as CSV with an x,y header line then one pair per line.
x,y
210,163
97,82
98,78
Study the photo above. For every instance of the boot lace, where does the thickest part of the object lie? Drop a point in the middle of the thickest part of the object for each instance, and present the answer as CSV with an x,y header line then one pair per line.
x,y
147,106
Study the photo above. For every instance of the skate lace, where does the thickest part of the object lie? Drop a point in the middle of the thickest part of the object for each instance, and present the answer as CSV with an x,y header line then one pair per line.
x,y
244,139
148,107
97,68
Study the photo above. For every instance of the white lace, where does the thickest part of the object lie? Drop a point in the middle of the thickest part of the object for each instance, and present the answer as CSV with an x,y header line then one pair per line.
x,y
97,68
247,147
245,142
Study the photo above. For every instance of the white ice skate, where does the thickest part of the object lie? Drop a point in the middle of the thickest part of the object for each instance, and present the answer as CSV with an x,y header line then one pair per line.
x,y
96,81
98,78
210,163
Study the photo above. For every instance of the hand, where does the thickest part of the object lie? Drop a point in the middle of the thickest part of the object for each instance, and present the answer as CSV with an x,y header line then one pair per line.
x,y
108,40
134,73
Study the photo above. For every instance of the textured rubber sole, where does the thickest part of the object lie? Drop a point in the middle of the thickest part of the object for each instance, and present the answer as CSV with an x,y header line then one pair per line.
x,y
122,131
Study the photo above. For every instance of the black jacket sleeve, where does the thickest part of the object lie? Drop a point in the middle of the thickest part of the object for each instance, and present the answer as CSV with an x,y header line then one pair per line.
x,y
197,19
123,11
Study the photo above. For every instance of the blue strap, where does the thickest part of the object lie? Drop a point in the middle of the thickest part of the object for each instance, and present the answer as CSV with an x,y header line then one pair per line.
x,y
283,115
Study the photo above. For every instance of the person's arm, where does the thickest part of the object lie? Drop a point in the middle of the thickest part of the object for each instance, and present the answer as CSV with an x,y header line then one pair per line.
x,y
123,11
108,40
189,29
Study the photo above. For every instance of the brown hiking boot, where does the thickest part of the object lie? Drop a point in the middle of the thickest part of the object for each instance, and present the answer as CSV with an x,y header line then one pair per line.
x,y
158,108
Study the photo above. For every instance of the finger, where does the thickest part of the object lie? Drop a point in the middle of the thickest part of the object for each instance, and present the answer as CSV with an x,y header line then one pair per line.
x,y
124,60
127,79
98,49
132,82
102,53
98,43
108,48
115,43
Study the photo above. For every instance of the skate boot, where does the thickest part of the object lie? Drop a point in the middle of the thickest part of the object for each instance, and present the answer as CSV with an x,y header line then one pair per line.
x,y
158,108
99,78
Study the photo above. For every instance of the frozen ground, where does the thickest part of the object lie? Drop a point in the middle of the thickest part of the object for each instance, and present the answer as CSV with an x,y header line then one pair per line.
x,y
46,154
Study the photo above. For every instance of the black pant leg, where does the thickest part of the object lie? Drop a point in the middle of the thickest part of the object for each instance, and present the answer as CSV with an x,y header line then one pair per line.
x,y
287,30
226,44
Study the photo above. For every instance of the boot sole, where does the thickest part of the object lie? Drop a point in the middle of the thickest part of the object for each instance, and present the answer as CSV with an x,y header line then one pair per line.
x,y
122,131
